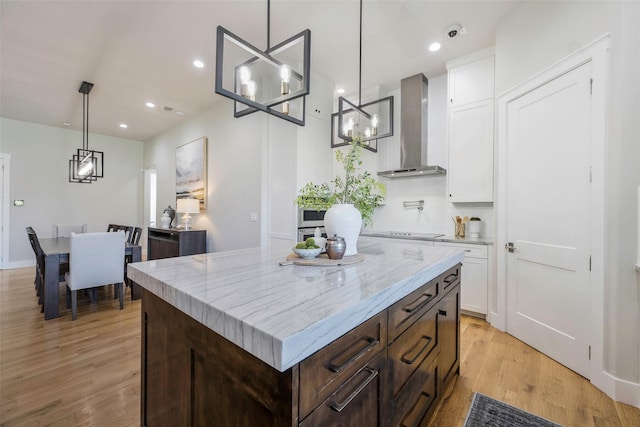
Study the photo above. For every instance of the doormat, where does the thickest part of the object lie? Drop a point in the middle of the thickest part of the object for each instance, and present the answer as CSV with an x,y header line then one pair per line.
x,y
488,412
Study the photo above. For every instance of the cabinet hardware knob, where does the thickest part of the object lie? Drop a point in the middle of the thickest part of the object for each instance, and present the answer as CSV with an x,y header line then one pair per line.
x,y
442,312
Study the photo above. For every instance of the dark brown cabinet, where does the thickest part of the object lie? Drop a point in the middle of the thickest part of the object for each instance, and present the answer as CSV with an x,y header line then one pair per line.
x,y
389,371
168,243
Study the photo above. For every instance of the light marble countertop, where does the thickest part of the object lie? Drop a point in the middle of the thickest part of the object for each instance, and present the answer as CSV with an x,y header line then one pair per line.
x,y
417,236
283,314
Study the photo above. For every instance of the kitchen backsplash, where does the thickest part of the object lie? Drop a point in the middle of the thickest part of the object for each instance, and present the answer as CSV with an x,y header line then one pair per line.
x,y
437,213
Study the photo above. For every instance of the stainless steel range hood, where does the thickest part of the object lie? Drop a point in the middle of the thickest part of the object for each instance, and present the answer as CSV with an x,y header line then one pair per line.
x,y
413,130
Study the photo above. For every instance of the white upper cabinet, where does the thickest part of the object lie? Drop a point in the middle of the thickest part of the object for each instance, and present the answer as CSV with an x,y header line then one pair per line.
x,y
319,102
471,82
471,123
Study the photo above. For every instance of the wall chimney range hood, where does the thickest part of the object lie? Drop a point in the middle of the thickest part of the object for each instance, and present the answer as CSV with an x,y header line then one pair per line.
x,y
413,131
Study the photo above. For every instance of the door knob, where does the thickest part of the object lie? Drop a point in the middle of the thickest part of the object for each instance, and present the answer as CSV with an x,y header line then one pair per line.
x,y
509,246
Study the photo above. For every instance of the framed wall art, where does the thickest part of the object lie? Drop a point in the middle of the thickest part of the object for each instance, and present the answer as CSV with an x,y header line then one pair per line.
x,y
191,171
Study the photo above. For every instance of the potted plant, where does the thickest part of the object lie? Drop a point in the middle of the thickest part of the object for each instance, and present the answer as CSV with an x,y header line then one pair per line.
x,y
349,200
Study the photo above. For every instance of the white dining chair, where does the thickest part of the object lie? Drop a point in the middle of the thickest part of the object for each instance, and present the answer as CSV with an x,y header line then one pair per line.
x,y
95,259
64,230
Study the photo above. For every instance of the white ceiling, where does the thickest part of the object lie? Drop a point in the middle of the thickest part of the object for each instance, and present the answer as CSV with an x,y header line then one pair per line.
x,y
139,51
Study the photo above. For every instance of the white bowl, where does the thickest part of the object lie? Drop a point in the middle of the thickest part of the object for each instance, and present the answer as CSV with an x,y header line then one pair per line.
x,y
307,253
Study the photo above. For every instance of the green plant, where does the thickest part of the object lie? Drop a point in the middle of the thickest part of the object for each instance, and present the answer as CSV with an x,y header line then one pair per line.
x,y
360,189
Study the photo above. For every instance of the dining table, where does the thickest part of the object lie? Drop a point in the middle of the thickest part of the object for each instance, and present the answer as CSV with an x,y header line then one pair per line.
x,y
56,252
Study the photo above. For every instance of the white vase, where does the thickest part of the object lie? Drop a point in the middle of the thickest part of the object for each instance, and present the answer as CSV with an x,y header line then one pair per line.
x,y
344,220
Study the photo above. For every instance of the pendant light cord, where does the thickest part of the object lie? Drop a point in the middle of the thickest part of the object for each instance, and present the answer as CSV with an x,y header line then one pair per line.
x,y
360,63
268,25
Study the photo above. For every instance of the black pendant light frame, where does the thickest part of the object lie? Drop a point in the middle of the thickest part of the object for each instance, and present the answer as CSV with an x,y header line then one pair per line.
x,y
268,57
361,109
85,157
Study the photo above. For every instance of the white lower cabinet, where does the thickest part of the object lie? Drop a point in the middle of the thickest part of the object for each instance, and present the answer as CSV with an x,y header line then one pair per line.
x,y
475,276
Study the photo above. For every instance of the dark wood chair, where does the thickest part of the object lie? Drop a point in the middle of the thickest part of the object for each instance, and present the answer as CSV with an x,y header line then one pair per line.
x,y
117,227
40,266
134,239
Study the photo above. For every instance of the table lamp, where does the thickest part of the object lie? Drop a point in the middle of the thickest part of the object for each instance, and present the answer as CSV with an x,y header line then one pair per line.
x,y
188,206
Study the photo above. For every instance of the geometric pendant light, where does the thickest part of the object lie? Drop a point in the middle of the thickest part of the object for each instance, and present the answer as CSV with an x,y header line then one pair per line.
x,y
369,121
275,80
86,165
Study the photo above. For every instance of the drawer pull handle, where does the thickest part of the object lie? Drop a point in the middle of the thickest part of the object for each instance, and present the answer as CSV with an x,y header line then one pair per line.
x,y
451,278
410,308
422,412
414,358
338,407
442,313
339,368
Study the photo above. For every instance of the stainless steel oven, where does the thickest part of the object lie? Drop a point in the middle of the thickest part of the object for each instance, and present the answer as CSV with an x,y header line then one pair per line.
x,y
310,218
305,233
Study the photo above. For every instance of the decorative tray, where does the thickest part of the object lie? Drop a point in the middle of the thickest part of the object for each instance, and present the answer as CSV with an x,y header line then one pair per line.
x,y
322,260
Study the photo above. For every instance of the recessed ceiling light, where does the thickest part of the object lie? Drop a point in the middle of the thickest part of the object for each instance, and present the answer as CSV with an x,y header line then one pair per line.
x,y
434,47
150,104
66,124
340,91
180,113
123,125
198,64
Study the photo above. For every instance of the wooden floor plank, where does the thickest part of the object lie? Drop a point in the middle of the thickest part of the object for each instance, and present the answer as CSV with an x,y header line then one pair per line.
x,y
87,372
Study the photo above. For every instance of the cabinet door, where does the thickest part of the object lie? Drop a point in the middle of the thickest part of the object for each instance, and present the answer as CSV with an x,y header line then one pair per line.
x,y
471,82
320,100
474,285
158,248
448,334
357,402
470,174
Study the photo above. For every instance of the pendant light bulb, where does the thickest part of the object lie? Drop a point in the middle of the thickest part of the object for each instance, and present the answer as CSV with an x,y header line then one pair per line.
x,y
245,78
285,76
374,124
251,90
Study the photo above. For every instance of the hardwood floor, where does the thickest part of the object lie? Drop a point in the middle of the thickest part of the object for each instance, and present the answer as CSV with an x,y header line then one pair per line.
x,y
87,372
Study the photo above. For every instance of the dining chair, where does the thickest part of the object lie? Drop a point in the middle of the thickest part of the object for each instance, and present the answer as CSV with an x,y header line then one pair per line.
x,y
64,230
95,259
117,227
40,266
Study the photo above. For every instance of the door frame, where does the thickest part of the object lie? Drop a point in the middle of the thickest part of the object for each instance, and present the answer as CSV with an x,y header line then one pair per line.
x,y
597,52
5,209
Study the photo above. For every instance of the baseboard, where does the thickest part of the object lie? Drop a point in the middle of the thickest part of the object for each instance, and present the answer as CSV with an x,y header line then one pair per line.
x,y
19,264
626,392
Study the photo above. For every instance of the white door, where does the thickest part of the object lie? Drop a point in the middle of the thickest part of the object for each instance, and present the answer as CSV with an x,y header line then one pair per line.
x,y
548,218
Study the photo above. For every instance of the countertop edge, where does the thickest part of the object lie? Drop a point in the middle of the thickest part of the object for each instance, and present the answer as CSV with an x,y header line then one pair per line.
x,y
485,241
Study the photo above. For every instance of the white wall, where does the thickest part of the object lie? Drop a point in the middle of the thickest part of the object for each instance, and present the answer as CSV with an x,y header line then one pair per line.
x,y
437,213
40,174
550,31
234,173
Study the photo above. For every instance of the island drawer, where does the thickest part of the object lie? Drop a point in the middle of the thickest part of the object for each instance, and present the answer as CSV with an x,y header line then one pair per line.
x,y
416,401
322,373
405,312
357,401
411,348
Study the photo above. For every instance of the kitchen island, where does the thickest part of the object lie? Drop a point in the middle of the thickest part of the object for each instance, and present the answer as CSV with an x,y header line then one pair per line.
x,y
234,339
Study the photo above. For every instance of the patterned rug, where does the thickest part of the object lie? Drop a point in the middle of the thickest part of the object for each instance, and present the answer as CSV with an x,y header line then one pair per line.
x,y
488,412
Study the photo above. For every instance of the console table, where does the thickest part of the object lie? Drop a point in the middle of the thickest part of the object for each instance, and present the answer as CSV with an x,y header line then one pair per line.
x,y
168,243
